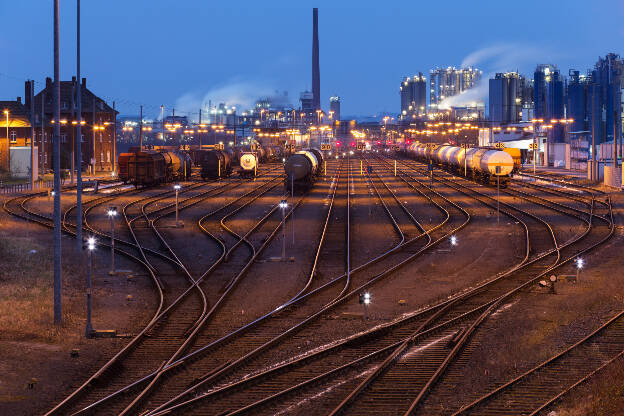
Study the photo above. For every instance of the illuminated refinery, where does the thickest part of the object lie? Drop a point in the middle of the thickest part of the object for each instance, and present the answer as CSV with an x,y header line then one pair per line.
x,y
206,228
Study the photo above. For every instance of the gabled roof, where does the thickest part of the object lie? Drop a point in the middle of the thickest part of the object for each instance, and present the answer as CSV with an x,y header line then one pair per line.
x,y
67,91
18,114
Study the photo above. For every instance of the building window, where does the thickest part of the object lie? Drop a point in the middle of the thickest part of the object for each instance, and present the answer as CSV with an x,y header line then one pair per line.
x,y
63,138
13,135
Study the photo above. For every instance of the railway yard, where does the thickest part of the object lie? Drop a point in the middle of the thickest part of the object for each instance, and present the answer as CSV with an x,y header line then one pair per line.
x,y
379,289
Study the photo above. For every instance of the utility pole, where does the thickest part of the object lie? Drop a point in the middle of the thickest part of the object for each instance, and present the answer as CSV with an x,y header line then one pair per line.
x,y
72,164
78,135
114,139
43,98
32,134
93,129
58,313
141,130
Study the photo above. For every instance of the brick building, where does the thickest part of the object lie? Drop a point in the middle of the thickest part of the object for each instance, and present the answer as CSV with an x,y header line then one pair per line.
x,y
17,116
98,132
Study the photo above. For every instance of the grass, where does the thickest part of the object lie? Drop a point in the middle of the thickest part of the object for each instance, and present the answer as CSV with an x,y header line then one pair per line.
x,y
26,295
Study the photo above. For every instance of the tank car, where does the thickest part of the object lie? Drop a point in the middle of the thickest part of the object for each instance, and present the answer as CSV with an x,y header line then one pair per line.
x,y
302,168
248,164
482,165
216,164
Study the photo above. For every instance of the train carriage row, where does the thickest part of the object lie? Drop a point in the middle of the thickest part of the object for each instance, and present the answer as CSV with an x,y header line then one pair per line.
x,y
482,165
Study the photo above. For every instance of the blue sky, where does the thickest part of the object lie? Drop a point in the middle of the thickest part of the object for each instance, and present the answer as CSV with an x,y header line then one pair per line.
x,y
185,52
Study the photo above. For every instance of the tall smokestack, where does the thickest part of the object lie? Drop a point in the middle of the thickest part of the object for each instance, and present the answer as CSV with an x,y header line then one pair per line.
x,y
316,73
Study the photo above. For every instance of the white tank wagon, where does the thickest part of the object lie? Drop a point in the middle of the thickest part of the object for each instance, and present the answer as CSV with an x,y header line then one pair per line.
x,y
248,165
482,165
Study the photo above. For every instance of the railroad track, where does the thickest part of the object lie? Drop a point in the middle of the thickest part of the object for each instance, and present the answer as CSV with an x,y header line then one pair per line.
x,y
312,366
460,340
241,238
165,334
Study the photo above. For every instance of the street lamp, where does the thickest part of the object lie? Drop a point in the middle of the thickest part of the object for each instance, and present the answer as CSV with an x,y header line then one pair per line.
x,y
6,112
112,213
365,299
90,248
283,205
177,188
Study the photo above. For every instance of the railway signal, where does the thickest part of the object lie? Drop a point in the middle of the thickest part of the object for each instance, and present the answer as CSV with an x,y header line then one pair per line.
x,y
112,213
90,248
535,147
360,146
579,265
499,145
177,188
364,299
453,240
283,205
325,146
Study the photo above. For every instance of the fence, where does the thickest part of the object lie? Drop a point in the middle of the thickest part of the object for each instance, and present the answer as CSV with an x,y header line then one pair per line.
x,y
40,185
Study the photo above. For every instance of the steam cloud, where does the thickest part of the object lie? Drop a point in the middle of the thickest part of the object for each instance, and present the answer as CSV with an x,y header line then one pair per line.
x,y
496,58
239,94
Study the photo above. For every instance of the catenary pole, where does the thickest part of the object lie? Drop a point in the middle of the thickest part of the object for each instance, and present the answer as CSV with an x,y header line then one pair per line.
x,y
78,135
32,134
58,314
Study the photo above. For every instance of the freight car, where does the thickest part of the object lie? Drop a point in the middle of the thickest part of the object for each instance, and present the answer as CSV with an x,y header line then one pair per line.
x,y
216,164
302,168
482,165
149,167
248,164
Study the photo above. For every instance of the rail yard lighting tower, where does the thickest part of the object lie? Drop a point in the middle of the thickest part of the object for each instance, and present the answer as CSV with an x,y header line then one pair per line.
x,y
283,205
90,248
177,188
579,265
365,299
112,213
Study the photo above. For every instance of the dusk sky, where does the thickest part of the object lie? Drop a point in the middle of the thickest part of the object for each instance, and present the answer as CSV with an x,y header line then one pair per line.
x,y
186,52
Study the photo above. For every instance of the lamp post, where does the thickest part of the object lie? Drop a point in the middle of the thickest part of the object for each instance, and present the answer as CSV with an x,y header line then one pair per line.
x,y
90,248
177,188
6,112
283,205
112,213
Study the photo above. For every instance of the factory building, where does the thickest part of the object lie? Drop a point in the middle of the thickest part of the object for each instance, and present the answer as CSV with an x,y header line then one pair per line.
x,y
510,98
548,97
607,111
413,93
447,82
334,107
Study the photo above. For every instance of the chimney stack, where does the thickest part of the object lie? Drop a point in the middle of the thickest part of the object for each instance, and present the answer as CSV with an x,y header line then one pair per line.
x,y
316,75
27,94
